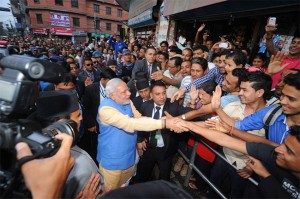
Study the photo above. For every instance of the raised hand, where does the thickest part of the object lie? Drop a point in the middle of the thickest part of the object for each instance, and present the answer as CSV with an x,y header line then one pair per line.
x,y
193,93
216,99
270,28
275,63
201,27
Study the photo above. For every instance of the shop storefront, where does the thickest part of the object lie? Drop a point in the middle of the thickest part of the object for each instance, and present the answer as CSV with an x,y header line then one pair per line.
x,y
79,37
143,16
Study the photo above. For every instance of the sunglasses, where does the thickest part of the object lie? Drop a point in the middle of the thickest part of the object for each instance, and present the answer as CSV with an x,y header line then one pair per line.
x,y
95,62
88,64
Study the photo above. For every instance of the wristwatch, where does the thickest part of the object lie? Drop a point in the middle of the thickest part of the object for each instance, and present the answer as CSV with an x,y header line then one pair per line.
x,y
183,117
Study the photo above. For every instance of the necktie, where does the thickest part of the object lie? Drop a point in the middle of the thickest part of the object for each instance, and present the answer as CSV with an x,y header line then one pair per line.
x,y
149,70
153,141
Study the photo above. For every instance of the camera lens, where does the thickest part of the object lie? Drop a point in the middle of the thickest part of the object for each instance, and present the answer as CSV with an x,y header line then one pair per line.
x,y
67,126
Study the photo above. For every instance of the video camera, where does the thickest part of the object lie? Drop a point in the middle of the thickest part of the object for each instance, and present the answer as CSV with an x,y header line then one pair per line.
x,y
19,92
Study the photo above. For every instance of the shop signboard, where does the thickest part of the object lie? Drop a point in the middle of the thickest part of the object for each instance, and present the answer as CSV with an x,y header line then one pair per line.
x,y
59,19
61,31
39,30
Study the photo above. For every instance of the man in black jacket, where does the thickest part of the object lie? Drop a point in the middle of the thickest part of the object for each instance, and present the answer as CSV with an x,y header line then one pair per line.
x,y
159,146
147,65
92,98
143,89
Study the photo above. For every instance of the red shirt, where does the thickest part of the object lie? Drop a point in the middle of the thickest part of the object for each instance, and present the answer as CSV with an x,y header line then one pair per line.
x,y
293,63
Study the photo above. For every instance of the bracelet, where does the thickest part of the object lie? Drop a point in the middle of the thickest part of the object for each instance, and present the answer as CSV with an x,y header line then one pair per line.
x,y
231,129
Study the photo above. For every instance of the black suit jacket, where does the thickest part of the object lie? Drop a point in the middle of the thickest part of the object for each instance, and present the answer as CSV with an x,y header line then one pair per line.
x,y
91,102
170,138
142,65
138,102
83,75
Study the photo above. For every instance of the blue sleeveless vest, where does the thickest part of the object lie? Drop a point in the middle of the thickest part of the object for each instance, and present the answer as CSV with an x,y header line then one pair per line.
x,y
116,147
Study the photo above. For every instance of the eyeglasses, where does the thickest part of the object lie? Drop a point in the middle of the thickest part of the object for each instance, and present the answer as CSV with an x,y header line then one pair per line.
x,y
88,64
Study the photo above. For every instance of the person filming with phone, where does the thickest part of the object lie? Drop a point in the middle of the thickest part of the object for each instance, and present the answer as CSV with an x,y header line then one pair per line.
x,y
287,62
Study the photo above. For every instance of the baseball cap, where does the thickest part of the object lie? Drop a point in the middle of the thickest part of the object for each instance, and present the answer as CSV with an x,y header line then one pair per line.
x,y
126,52
97,54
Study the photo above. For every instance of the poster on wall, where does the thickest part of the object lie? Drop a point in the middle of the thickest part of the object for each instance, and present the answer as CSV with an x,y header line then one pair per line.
x,y
163,25
59,19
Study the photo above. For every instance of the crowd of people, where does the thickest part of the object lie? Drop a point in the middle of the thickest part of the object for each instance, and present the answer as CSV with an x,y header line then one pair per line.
x,y
137,101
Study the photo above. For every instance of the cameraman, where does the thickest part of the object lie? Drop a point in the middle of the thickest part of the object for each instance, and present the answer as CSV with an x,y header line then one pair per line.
x,y
49,110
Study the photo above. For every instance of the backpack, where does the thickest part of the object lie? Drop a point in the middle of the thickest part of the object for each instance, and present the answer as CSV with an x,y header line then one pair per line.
x,y
271,117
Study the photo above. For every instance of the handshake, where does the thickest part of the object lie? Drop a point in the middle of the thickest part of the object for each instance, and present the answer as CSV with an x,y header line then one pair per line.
x,y
175,124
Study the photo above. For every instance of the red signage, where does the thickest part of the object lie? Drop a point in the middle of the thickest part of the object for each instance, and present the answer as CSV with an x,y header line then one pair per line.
x,y
39,30
61,31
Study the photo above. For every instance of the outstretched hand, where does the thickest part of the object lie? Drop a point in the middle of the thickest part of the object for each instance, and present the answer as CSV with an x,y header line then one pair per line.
x,y
177,125
275,63
178,94
157,75
218,125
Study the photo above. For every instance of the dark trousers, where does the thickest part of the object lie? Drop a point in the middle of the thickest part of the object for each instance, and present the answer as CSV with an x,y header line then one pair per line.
x,y
220,171
147,162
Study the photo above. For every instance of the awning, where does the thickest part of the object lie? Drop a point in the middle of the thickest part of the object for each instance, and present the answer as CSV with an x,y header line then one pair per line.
x,y
61,31
174,7
143,19
223,9
39,31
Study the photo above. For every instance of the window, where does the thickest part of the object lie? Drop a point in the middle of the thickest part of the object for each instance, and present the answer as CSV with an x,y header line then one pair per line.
x,y
74,3
108,26
96,8
36,1
39,18
97,24
76,21
119,13
108,10
59,2
119,28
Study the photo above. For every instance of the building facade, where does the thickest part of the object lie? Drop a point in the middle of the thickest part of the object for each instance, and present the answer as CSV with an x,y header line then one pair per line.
x,y
75,17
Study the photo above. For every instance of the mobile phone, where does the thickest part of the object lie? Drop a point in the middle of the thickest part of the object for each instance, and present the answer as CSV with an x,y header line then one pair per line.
x,y
272,21
223,45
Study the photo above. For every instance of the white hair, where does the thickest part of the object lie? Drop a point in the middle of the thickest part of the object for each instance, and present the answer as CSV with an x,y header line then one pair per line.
x,y
112,85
